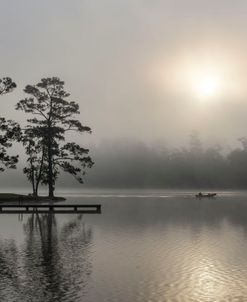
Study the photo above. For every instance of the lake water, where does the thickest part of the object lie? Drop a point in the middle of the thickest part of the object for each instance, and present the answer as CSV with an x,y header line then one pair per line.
x,y
143,247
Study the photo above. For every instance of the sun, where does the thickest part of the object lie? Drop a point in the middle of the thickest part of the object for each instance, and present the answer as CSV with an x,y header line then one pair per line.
x,y
202,79
206,81
207,85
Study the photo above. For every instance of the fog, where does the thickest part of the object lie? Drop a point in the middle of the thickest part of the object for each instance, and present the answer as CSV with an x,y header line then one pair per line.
x,y
128,164
126,63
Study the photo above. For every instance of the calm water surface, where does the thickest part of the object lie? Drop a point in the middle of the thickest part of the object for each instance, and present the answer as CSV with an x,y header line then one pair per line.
x,y
158,247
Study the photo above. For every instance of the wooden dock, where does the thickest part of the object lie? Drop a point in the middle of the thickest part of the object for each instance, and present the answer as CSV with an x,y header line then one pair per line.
x,y
50,208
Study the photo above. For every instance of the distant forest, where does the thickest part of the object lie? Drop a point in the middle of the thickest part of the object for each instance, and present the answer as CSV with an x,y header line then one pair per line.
x,y
124,164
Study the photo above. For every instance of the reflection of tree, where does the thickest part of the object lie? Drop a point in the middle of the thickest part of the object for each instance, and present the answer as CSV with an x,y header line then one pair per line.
x,y
41,264
76,240
59,264
10,281
54,264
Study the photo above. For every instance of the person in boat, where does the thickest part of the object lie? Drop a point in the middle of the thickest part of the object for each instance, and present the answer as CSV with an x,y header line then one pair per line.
x,y
200,194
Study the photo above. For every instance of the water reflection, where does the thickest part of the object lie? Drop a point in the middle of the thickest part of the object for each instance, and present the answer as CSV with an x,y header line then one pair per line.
x,y
9,275
174,249
185,212
140,249
54,264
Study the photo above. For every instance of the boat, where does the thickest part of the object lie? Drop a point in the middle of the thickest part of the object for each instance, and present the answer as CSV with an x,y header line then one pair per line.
x,y
200,195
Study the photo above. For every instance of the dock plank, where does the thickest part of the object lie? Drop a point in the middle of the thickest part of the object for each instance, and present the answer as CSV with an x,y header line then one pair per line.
x,y
50,208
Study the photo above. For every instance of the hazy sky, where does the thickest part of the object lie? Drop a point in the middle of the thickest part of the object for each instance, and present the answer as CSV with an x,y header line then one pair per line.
x,y
137,68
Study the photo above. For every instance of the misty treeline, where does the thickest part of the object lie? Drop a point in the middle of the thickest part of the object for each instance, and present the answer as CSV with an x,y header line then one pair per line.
x,y
134,164
120,163
50,115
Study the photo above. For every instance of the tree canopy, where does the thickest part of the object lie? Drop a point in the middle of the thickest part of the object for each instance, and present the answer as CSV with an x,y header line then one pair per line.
x,y
6,85
52,117
9,130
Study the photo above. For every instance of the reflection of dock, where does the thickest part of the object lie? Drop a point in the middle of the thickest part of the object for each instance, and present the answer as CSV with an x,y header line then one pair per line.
x,y
50,208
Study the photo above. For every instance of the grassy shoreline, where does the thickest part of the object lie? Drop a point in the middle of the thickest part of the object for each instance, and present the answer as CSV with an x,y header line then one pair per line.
x,y
27,198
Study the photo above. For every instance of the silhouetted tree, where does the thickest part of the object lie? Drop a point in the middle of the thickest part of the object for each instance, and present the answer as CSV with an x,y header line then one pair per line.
x,y
53,117
9,130
6,85
243,141
195,143
36,165
237,161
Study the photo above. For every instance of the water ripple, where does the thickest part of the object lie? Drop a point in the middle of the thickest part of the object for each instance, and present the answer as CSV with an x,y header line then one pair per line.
x,y
139,250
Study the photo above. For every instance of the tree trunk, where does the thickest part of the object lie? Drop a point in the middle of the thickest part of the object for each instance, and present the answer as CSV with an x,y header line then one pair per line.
x,y
38,178
35,194
50,170
33,181
50,173
33,189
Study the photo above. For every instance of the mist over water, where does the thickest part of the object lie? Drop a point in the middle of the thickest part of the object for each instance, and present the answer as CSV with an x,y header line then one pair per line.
x,y
126,164
165,247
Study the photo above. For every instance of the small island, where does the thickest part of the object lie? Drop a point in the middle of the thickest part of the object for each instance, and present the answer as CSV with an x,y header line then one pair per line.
x,y
11,197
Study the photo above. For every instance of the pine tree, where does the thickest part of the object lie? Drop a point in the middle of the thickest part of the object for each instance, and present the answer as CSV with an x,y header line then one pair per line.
x,y
52,117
